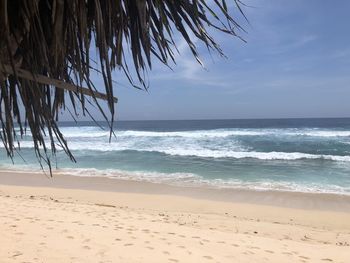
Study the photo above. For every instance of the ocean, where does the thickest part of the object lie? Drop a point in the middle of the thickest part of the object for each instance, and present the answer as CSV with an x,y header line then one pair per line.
x,y
303,155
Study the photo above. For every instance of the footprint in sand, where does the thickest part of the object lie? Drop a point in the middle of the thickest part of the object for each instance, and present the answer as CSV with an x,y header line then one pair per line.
x,y
255,247
16,254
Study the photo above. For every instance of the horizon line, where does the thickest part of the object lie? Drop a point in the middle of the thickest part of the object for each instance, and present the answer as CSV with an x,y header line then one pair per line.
x,y
219,119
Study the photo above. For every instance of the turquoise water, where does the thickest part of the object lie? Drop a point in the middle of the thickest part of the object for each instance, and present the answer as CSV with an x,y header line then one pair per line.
x,y
309,155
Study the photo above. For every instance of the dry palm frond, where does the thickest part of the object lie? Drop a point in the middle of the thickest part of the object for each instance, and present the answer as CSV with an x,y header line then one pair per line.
x,y
45,52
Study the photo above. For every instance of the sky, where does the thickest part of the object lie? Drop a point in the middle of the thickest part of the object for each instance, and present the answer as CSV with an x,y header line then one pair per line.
x,y
295,64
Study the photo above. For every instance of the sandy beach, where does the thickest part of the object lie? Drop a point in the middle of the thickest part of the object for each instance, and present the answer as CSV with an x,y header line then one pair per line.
x,y
174,131
82,219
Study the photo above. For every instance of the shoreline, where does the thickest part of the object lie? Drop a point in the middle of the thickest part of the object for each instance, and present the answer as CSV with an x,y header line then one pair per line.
x,y
188,180
83,219
289,199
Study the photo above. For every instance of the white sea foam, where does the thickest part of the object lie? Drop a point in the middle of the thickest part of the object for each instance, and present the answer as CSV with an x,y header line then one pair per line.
x,y
194,180
210,146
319,133
95,132
205,144
255,155
218,133
84,132
154,177
193,134
269,185
90,132
196,151
190,179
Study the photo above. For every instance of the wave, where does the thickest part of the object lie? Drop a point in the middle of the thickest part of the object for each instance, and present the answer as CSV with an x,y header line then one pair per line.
x,y
212,143
193,180
96,132
154,177
288,156
190,179
84,132
91,132
194,151
317,133
193,134
241,132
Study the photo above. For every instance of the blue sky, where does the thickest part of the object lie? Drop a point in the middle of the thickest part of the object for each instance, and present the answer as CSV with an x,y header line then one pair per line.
x,y
296,63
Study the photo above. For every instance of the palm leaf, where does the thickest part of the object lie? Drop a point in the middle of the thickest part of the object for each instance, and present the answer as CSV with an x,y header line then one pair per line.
x,y
45,53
